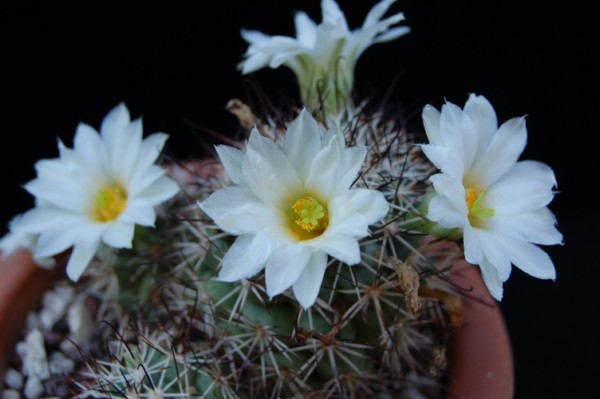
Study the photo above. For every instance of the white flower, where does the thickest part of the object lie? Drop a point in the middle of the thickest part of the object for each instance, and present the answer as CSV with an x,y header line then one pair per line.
x,y
500,204
322,56
96,192
291,206
14,241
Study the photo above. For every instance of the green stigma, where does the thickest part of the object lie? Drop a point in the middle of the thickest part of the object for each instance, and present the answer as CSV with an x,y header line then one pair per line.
x,y
477,212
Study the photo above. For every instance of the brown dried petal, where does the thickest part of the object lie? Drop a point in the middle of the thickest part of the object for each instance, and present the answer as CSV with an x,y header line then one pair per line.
x,y
452,304
409,284
243,112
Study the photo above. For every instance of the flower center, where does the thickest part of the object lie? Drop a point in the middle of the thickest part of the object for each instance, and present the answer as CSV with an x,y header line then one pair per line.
x,y
310,218
477,213
109,203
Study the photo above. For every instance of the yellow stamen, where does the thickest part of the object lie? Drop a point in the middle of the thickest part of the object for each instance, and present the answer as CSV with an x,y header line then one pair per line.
x,y
474,198
109,203
470,197
309,218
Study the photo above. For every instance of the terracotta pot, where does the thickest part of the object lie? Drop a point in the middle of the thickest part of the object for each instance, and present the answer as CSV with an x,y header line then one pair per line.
x,y
22,284
481,364
480,354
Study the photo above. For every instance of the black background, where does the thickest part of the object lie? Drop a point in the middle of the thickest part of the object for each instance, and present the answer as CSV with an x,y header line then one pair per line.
x,y
178,65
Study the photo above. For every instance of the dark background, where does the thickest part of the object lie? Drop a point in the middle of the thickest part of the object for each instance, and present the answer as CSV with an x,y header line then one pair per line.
x,y
175,68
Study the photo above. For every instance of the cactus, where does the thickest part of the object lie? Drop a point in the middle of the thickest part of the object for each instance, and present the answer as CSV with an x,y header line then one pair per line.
x,y
178,331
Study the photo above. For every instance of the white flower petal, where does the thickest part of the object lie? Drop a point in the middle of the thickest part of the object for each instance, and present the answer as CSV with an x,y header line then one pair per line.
x,y
54,169
255,38
70,173
68,161
449,162
483,117
39,219
89,147
237,211
118,234
537,226
149,151
334,169
281,166
302,143
79,260
437,154
452,189
88,232
502,153
331,39
306,29
473,250
441,210
377,12
307,286
532,260
342,247
281,46
332,14
113,124
371,204
254,63
125,151
12,242
377,31
268,173
245,258
431,120
284,266
491,279
458,133
232,160
139,212
529,181
392,34
353,225
266,50
496,251
348,168
44,262
15,240
152,174
262,181
285,57
62,194
161,190
54,240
